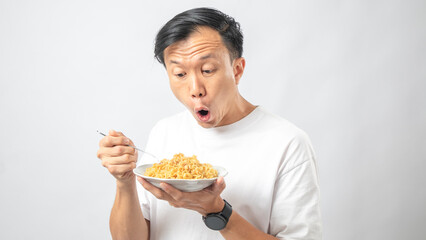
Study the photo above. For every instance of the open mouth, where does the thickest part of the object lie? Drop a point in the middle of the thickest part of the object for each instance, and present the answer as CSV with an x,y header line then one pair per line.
x,y
203,112
203,115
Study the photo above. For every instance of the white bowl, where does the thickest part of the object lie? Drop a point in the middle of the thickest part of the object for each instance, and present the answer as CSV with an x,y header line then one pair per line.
x,y
185,185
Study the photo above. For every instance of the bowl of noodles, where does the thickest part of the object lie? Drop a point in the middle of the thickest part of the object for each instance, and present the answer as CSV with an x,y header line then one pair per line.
x,y
184,173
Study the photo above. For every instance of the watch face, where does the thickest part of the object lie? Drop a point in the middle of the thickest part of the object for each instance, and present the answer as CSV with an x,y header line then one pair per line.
x,y
215,222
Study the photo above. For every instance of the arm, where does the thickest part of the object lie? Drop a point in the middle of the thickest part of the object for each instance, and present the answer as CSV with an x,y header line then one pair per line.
x,y
207,201
126,220
239,228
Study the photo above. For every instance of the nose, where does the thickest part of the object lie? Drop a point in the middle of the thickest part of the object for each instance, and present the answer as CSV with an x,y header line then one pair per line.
x,y
197,88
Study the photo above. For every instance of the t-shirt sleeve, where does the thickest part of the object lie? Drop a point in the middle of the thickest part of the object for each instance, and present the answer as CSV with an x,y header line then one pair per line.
x,y
144,201
295,212
144,195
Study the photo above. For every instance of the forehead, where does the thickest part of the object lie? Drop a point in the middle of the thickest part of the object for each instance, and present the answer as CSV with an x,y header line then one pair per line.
x,y
203,43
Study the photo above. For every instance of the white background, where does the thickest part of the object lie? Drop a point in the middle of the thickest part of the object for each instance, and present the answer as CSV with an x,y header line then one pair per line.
x,y
352,74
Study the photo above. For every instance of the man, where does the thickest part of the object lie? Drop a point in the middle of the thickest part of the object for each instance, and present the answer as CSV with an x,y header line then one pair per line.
x,y
271,191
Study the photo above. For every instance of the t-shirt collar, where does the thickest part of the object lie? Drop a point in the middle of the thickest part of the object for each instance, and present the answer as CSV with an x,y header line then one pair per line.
x,y
230,128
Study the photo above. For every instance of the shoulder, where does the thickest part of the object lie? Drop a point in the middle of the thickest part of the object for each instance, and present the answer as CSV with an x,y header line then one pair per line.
x,y
280,126
293,142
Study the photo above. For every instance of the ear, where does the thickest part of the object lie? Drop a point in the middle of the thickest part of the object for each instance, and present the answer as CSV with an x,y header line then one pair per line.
x,y
238,67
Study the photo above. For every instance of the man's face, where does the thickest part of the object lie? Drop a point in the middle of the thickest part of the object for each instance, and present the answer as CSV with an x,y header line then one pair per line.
x,y
203,77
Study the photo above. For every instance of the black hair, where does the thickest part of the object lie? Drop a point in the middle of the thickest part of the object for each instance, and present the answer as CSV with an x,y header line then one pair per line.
x,y
185,23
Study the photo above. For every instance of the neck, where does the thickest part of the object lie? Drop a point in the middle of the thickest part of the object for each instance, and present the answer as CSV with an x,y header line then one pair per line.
x,y
237,111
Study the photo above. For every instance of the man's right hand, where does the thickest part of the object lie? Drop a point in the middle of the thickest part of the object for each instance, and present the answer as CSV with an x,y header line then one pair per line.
x,y
118,157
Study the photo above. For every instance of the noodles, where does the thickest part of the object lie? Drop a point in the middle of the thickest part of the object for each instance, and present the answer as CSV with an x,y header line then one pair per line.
x,y
181,167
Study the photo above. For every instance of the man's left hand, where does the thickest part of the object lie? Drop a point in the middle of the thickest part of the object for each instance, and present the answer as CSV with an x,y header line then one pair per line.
x,y
204,201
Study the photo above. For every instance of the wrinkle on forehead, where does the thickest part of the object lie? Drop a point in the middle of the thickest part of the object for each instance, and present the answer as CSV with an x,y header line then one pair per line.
x,y
201,41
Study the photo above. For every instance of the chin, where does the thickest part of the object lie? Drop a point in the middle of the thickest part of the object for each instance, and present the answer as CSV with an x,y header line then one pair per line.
x,y
206,125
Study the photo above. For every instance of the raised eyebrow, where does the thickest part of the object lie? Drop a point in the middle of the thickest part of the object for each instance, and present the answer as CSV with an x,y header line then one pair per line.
x,y
174,62
201,58
206,56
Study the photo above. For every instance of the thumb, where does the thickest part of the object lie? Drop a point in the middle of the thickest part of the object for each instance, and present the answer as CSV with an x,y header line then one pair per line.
x,y
114,133
219,185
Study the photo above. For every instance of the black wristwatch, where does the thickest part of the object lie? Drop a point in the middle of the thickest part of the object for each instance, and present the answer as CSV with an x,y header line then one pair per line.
x,y
218,221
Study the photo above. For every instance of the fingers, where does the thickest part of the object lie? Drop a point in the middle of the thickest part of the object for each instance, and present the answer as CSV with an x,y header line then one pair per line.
x,y
124,140
115,133
114,138
157,192
116,151
177,195
113,145
204,201
124,159
117,156
111,141
173,192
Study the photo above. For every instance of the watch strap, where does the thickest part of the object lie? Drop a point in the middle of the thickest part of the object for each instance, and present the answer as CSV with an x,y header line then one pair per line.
x,y
219,220
226,211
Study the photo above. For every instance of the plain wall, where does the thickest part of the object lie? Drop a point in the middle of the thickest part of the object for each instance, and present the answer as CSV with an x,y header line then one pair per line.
x,y
352,74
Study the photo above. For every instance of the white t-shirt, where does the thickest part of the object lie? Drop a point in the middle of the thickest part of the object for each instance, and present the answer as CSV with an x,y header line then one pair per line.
x,y
272,180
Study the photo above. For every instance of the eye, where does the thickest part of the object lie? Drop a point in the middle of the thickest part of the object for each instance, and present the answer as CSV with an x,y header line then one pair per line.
x,y
208,71
180,75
